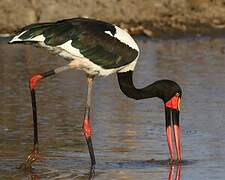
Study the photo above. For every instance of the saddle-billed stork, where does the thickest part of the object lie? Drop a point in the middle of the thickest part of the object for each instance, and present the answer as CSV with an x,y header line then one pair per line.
x,y
100,49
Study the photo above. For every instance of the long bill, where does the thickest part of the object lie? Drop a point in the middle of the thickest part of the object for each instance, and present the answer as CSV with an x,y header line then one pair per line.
x,y
176,131
172,113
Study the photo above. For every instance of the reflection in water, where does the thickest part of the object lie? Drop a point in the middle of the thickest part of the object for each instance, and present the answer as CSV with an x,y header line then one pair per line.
x,y
178,172
34,177
174,170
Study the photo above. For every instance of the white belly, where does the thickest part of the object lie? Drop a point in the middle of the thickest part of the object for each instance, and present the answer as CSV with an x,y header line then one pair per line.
x,y
91,68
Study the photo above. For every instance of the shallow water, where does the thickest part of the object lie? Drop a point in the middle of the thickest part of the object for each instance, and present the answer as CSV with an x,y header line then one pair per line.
x,y
128,135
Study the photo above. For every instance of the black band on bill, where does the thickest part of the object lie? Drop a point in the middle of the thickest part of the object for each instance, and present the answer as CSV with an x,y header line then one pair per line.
x,y
175,117
168,117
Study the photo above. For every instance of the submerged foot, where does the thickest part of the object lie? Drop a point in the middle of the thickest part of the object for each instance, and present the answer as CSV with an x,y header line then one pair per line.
x,y
175,162
171,161
31,158
92,172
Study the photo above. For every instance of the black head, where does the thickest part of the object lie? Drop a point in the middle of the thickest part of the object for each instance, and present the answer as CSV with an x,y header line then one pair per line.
x,y
163,89
167,89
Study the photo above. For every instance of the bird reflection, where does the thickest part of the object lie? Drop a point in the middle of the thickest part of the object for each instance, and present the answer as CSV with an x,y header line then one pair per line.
x,y
34,176
174,173
171,173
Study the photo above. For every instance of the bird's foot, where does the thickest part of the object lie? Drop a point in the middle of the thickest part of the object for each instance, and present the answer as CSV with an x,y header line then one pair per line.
x,y
179,161
31,158
171,161
92,172
175,162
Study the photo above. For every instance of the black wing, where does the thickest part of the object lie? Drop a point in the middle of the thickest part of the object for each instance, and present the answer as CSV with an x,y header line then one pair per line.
x,y
88,36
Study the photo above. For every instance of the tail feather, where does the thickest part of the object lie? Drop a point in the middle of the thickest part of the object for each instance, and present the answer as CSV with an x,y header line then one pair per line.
x,y
31,33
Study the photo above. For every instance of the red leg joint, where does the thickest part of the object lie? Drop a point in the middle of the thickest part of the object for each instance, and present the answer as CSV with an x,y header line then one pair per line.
x,y
33,81
87,128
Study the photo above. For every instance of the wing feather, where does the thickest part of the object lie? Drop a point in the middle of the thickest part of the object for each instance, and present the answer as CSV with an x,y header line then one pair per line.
x,y
87,35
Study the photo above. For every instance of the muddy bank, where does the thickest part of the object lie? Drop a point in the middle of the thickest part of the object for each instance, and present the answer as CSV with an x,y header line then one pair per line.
x,y
152,17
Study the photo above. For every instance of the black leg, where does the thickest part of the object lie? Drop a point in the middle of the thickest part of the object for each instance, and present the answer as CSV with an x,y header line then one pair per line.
x,y
87,126
33,156
33,99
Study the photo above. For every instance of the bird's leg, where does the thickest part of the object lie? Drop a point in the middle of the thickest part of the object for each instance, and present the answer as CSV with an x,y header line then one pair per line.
x,y
169,133
176,130
87,126
33,156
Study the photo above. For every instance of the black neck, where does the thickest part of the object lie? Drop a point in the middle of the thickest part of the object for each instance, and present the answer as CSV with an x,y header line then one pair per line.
x,y
128,88
163,89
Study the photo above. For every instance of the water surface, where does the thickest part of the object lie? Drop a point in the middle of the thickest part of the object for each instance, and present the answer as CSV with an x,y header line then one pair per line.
x,y
128,135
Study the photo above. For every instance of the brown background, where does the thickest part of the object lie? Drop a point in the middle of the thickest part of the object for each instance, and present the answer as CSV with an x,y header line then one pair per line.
x,y
181,15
